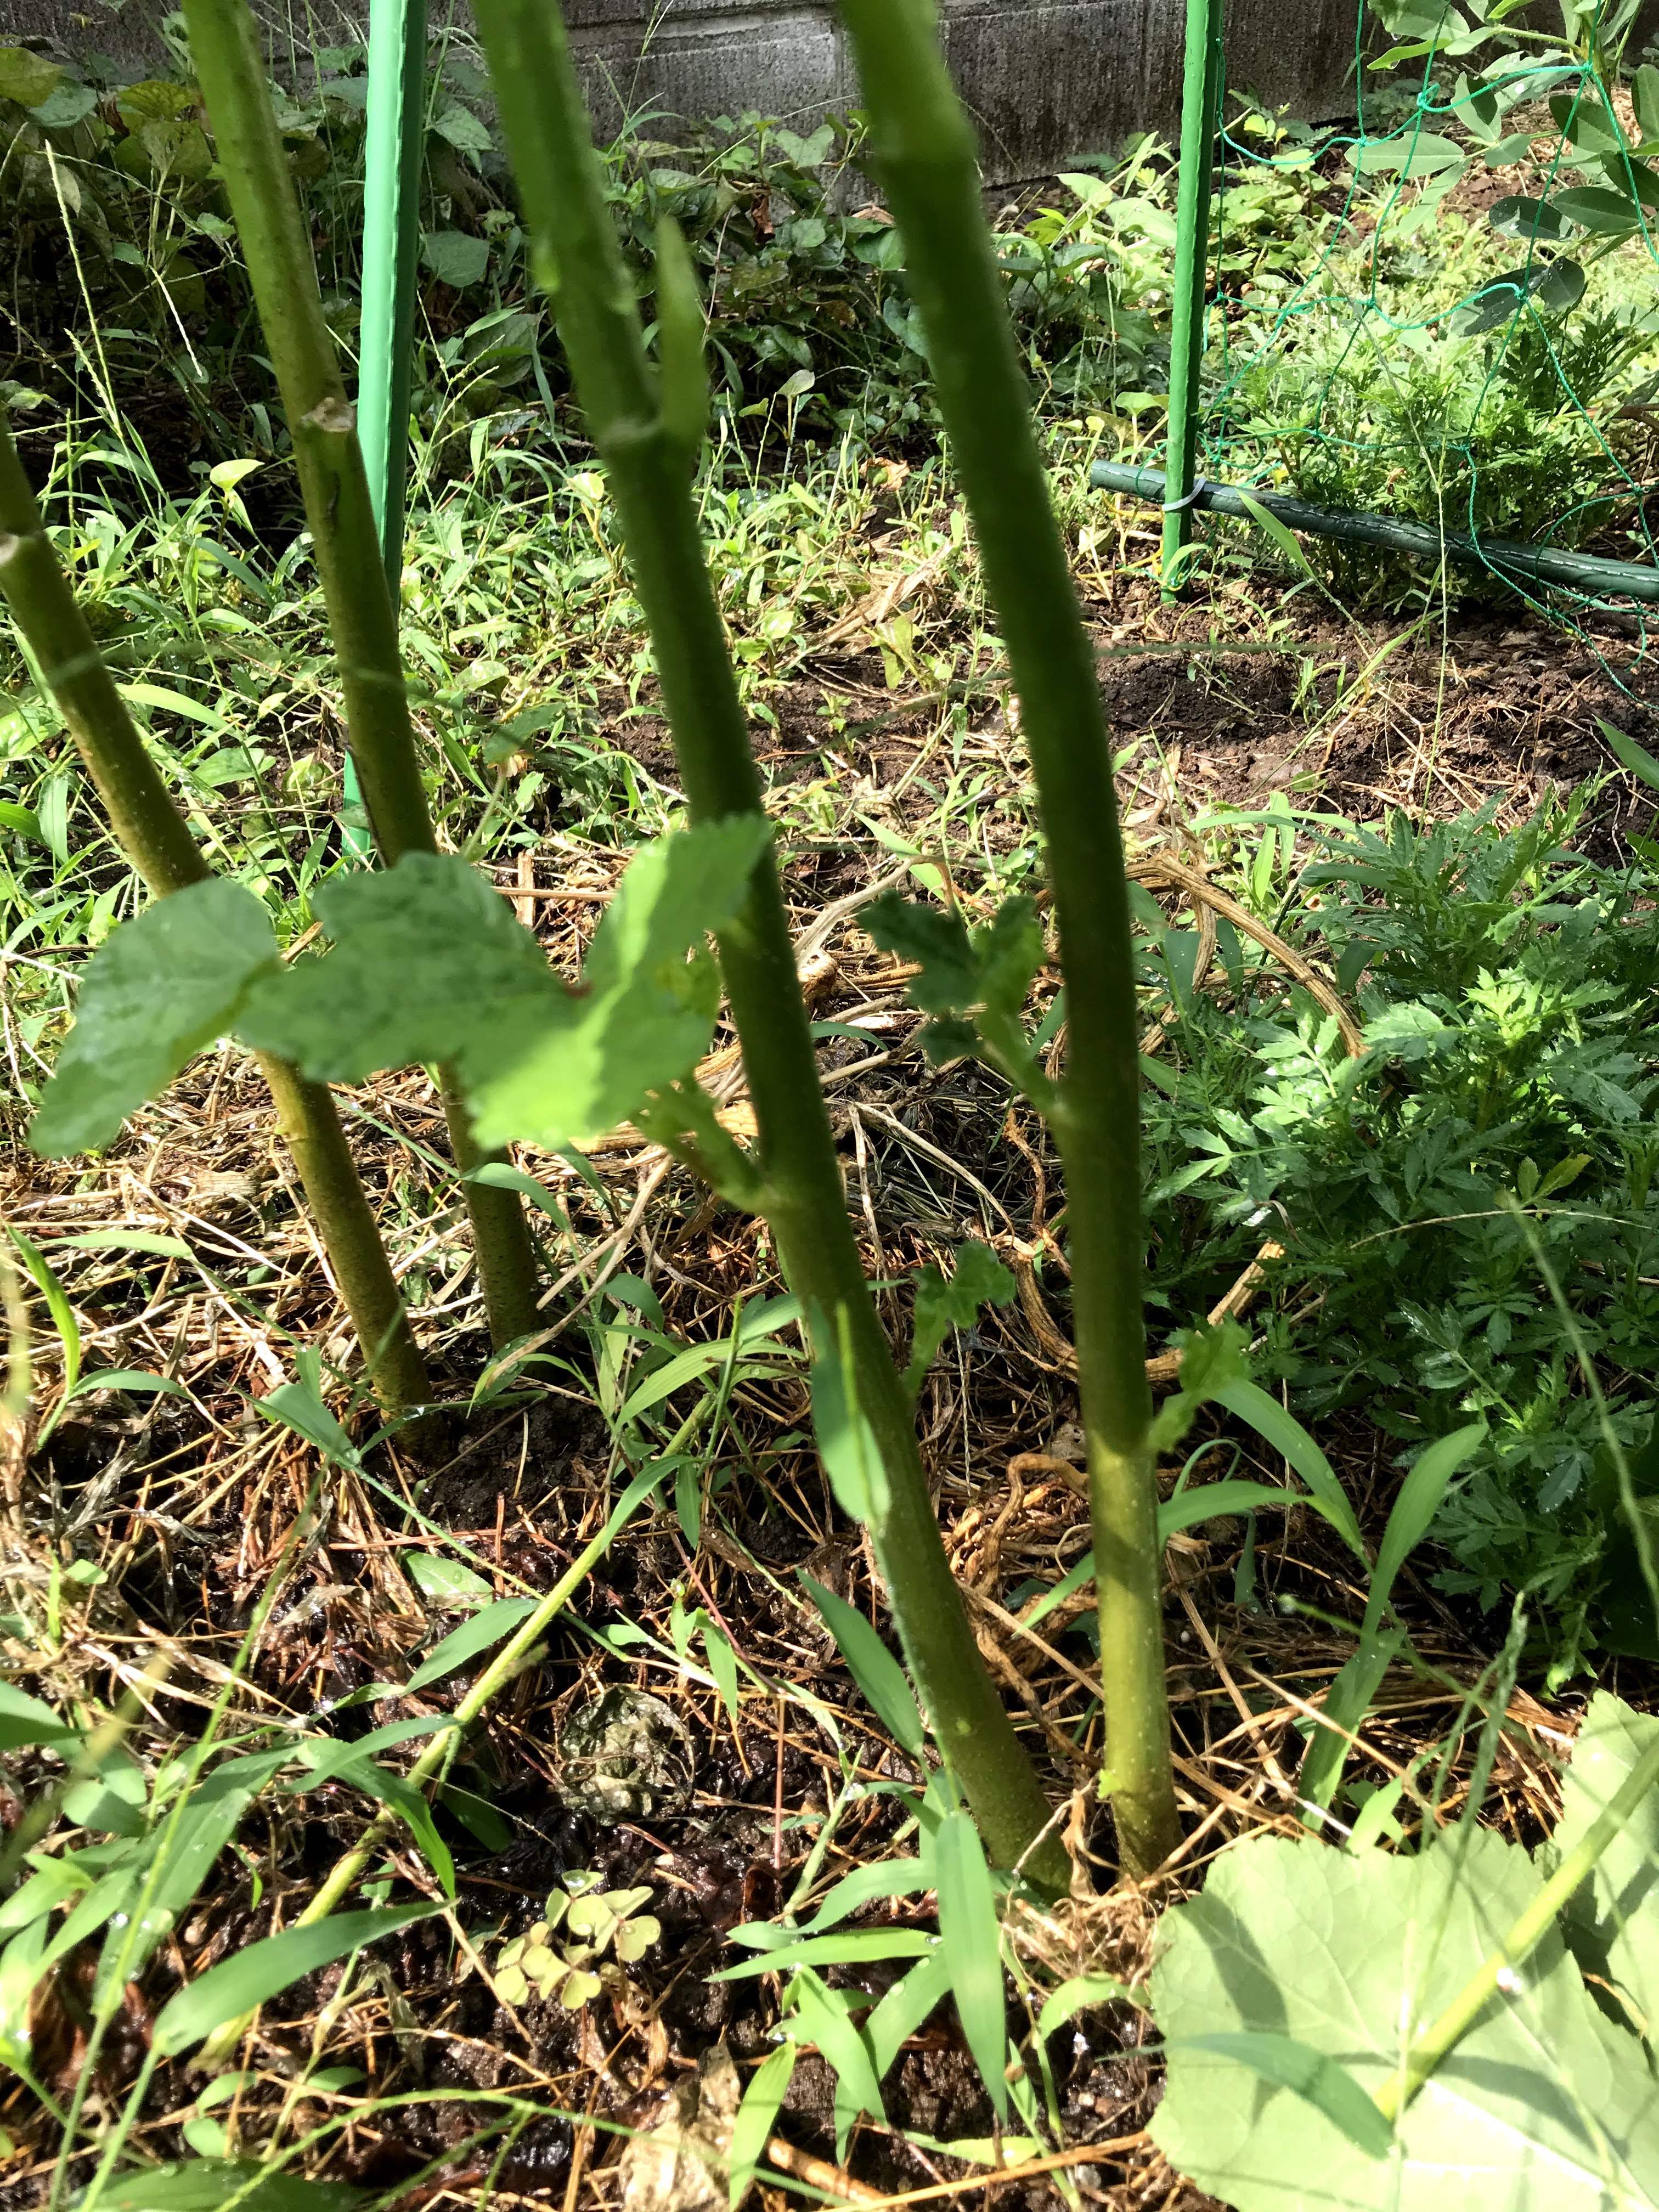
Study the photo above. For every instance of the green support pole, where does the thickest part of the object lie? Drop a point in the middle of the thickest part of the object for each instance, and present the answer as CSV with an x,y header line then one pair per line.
x,y
392,208
1200,98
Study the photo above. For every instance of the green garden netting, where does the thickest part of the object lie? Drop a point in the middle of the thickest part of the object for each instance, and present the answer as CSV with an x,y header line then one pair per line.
x,y
1468,337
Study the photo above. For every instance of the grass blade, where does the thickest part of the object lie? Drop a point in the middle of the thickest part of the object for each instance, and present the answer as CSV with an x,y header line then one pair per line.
x,y
874,1668
973,1949
225,1992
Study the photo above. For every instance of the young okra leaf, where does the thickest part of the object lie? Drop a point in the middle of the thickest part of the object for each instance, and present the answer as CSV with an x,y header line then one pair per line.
x,y
428,959
163,987
973,983
647,1014
429,964
981,1280
1212,1360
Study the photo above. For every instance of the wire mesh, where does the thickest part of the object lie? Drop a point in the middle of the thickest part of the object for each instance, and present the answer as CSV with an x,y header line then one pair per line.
x,y
1474,342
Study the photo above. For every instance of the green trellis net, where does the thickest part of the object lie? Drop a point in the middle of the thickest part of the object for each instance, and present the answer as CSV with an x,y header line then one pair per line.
x,y
1474,342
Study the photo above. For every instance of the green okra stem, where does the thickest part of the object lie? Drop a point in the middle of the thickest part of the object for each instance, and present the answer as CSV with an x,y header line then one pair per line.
x,y
156,840
346,542
926,163
576,256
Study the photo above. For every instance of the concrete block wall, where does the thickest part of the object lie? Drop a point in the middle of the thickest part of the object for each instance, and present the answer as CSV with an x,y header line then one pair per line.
x,y
1046,80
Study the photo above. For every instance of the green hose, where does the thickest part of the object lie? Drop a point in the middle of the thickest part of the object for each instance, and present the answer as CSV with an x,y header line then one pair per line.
x,y
1504,557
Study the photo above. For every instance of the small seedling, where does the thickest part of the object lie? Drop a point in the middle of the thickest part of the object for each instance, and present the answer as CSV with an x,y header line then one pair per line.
x,y
593,1920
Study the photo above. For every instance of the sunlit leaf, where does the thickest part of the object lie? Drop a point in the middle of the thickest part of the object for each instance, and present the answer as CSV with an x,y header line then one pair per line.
x,y
156,992
205,2184
429,964
261,1970
1543,2106
969,1935
757,2115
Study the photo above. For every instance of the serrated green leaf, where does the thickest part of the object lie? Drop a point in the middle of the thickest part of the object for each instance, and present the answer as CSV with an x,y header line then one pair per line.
x,y
969,1934
429,964
979,1278
225,1992
160,989
1613,1923
427,957
1544,2107
988,972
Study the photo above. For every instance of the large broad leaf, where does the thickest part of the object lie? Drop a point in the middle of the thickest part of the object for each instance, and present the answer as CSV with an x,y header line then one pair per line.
x,y
430,964
1613,1924
980,1279
990,969
1413,153
162,988
1544,2107
1599,207
427,960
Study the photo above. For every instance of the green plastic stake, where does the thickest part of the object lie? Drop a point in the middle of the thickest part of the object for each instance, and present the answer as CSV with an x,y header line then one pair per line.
x,y
1199,100
392,213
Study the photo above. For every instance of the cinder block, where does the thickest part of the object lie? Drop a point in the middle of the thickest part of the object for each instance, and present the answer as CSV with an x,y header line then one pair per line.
x,y
1046,80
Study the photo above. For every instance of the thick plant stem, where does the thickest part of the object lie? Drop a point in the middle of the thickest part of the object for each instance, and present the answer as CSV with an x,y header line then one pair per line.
x,y
155,839
1426,2050
576,256
1198,128
346,541
926,165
